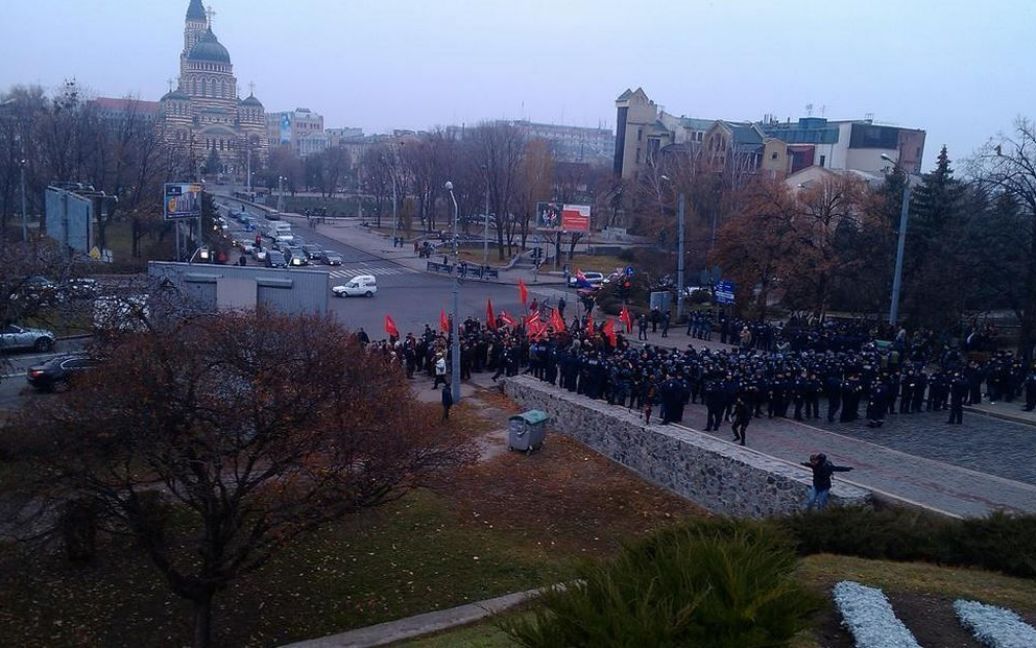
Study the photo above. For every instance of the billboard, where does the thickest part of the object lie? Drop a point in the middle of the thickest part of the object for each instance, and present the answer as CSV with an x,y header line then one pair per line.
x,y
182,200
70,218
556,217
286,128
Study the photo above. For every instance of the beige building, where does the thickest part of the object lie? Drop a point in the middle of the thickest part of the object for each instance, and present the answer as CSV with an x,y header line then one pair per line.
x,y
204,112
301,128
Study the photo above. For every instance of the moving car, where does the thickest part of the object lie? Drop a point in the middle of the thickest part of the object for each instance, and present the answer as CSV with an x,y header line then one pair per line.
x,y
313,252
332,258
275,259
360,285
56,372
596,279
13,336
295,257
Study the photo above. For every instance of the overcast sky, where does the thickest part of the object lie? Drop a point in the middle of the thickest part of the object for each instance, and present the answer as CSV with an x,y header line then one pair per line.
x,y
961,69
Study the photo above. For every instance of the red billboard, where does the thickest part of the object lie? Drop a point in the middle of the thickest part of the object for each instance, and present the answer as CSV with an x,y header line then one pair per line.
x,y
575,218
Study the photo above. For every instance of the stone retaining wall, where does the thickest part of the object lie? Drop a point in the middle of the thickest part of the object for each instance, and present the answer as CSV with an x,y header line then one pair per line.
x,y
719,476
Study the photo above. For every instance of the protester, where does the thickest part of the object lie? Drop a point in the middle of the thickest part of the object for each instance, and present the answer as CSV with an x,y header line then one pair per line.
x,y
823,469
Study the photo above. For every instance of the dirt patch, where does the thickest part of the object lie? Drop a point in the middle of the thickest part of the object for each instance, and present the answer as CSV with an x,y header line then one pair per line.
x,y
564,496
932,620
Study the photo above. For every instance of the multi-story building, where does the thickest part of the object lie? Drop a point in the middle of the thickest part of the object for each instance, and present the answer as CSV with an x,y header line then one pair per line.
x,y
118,110
292,126
571,143
643,132
204,111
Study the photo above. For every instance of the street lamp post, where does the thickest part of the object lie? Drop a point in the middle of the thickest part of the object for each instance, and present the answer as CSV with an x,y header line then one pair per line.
x,y
25,216
680,209
395,216
485,224
455,327
904,213
280,193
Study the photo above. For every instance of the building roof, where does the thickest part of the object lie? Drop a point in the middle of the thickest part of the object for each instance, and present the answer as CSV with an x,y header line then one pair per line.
x,y
195,11
250,100
625,95
746,134
208,48
113,104
174,95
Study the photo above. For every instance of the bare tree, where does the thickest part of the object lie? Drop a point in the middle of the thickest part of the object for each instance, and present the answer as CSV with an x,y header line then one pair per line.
x,y
498,148
209,419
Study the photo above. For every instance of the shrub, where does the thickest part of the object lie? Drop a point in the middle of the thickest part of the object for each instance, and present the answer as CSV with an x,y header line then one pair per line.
x,y
999,542
706,584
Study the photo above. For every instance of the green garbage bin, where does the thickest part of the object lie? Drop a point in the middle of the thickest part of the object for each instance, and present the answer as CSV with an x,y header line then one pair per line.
x,y
527,431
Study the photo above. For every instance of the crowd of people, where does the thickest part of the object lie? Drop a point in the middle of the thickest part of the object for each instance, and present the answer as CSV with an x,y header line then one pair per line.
x,y
795,369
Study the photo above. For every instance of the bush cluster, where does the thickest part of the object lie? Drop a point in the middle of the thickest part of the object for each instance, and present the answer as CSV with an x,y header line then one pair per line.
x,y
711,584
999,542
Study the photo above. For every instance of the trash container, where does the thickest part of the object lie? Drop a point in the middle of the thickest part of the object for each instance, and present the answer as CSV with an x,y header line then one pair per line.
x,y
526,431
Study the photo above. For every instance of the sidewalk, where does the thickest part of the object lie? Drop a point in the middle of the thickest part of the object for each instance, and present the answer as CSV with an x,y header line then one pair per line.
x,y
416,626
351,232
1006,411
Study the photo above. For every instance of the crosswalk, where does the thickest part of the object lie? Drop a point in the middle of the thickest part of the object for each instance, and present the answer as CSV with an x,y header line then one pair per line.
x,y
350,269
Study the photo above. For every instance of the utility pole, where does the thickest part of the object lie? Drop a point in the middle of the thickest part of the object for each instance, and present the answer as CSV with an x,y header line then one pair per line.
x,y
904,217
679,256
395,216
280,192
249,169
485,230
25,217
455,326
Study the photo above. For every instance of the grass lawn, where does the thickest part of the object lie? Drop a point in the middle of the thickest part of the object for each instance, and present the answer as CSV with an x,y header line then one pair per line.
x,y
509,523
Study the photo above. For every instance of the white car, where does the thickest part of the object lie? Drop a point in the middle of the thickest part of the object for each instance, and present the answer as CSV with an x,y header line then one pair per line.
x,y
16,337
359,286
596,279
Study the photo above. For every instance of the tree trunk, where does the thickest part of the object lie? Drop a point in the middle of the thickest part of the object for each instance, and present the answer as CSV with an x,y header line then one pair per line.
x,y
202,621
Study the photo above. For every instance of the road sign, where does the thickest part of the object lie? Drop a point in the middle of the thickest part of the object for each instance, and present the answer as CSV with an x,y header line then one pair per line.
x,y
723,292
629,271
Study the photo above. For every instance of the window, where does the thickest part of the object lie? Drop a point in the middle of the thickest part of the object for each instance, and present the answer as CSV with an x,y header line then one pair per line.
x,y
638,155
823,158
640,134
773,156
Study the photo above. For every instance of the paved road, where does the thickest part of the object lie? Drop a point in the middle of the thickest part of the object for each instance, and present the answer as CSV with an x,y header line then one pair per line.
x,y
13,366
413,298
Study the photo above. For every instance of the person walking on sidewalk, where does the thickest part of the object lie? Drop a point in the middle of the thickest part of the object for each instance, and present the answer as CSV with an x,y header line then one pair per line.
x,y
440,371
823,469
742,416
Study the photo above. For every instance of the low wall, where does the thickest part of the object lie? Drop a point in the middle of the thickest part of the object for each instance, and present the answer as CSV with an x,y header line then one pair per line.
x,y
719,476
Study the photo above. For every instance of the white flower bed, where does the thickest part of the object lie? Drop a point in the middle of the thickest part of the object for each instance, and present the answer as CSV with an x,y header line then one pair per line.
x,y
868,615
994,626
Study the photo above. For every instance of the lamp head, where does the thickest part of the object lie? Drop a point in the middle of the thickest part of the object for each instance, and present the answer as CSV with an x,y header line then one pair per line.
x,y
885,157
449,186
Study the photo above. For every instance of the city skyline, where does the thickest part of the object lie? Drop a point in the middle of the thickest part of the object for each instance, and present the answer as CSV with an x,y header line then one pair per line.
x,y
412,66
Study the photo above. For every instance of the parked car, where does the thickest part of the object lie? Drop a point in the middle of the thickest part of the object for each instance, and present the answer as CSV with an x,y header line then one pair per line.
x,y
332,258
313,252
259,253
121,313
596,279
57,372
39,290
13,336
82,288
360,285
275,259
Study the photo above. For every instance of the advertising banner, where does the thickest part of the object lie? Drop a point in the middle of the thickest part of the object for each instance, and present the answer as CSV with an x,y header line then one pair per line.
x,y
555,217
575,218
182,200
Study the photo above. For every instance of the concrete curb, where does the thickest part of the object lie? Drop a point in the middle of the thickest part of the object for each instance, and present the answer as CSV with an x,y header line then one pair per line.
x,y
422,624
1021,420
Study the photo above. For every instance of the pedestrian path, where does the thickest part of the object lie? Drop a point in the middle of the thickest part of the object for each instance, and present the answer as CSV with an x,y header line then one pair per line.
x,y
350,269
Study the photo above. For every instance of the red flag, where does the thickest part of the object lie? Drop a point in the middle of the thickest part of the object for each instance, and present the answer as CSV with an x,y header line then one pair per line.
x,y
490,317
609,331
557,321
390,327
444,322
523,292
507,319
530,319
589,326
624,317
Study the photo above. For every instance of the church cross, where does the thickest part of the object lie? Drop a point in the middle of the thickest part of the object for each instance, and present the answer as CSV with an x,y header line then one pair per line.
x,y
170,82
251,88
210,13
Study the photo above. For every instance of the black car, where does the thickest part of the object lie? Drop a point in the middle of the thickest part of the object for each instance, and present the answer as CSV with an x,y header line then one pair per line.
x,y
56,372
313,252
275,259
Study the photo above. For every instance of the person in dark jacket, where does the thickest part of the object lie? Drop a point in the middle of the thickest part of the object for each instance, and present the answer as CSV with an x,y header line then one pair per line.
x,y
742,416
447,402
822,471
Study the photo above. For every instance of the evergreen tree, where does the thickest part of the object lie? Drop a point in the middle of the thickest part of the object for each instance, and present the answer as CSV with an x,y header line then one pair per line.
x,y
213,164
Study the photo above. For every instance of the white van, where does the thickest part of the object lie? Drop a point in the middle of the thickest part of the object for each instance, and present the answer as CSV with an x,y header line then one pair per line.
x,y
360,285
279,231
